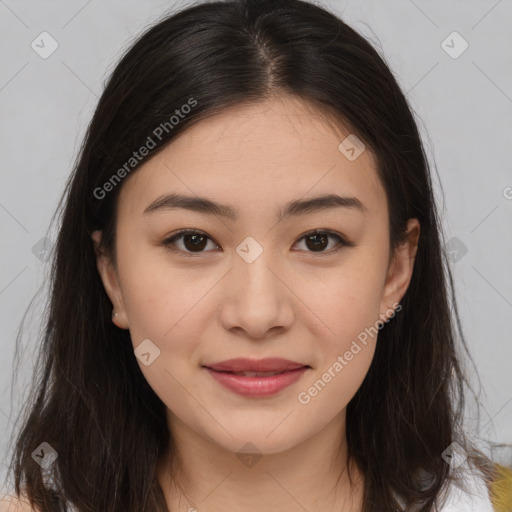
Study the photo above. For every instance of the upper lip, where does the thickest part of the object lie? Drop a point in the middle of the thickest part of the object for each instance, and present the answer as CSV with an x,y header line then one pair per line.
x,y
274,364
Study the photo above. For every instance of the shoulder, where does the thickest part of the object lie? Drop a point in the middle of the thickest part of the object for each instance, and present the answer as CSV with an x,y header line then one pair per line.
x,y
468,492
12,503
473,496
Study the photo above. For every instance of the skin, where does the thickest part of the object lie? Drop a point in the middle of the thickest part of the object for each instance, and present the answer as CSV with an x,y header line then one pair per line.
x,y
291,302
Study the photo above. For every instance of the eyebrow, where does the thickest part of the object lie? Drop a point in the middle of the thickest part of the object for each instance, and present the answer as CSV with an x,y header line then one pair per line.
x,y
292,208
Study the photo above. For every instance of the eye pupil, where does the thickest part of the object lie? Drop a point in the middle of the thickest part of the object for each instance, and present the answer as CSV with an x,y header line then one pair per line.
x,y
315,238
197,243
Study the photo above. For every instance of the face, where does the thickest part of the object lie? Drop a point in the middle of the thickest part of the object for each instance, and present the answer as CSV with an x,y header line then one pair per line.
x,y
302,283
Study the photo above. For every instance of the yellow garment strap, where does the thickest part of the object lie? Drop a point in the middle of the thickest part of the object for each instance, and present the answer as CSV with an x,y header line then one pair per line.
x,y
501,489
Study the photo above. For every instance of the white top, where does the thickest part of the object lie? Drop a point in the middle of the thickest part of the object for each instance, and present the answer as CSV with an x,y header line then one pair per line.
x,y
459,500
474,499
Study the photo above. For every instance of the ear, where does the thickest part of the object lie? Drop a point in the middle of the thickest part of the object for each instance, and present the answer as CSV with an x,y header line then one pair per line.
x,y
400,270
110,279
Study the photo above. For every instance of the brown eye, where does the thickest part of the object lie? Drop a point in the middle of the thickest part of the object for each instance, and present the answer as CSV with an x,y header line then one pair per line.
x,y
192,241
195,242
318,241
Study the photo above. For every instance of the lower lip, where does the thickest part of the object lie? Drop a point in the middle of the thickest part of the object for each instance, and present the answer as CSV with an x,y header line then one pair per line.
x,y
257,386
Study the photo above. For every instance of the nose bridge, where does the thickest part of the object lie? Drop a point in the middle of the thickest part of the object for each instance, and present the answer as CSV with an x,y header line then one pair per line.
x,y
252,266
257,300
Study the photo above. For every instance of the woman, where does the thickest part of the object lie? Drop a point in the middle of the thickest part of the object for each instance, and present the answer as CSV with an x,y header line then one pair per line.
x,y
251,304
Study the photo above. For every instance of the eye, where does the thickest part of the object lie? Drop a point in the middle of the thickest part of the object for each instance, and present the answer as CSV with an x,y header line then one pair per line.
x,y
194,241
318,240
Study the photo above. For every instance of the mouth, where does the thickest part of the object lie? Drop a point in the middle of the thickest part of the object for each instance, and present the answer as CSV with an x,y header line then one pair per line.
x,y
267,365
252,374
256,378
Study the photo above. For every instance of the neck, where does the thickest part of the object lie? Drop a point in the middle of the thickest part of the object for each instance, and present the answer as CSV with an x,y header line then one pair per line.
x,y
202,475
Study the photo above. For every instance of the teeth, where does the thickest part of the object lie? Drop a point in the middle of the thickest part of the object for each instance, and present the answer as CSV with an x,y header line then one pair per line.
x,y
256,374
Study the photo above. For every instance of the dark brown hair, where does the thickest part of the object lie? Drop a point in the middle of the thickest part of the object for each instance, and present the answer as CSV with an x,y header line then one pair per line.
x,y
92,401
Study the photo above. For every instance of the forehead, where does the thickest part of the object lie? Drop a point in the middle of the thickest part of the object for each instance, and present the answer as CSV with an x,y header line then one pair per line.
x,y
257,157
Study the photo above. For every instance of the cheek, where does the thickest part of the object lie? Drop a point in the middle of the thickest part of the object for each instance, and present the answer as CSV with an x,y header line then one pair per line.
x,y
166,306
159,297
348,304
348,301
349,307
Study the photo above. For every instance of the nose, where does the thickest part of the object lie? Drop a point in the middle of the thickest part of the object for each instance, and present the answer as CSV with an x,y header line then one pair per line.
x,y
257,300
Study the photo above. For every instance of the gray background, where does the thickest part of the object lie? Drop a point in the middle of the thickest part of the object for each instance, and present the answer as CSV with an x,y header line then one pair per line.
x,y
463,106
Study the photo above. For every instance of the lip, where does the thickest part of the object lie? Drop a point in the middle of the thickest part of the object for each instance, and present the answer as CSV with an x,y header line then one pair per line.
x,y
257,386
269,364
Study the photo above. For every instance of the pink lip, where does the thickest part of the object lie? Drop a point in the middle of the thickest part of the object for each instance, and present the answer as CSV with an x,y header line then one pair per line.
x,y
270,364
257,386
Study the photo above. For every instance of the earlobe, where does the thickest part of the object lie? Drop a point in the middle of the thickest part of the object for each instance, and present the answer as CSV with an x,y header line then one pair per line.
x,y
109,277
401,268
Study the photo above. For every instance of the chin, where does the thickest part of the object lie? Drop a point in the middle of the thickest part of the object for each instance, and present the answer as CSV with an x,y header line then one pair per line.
x,y
259,439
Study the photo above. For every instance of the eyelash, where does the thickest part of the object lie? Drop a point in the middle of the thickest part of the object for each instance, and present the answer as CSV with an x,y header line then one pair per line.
x,y
168,242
